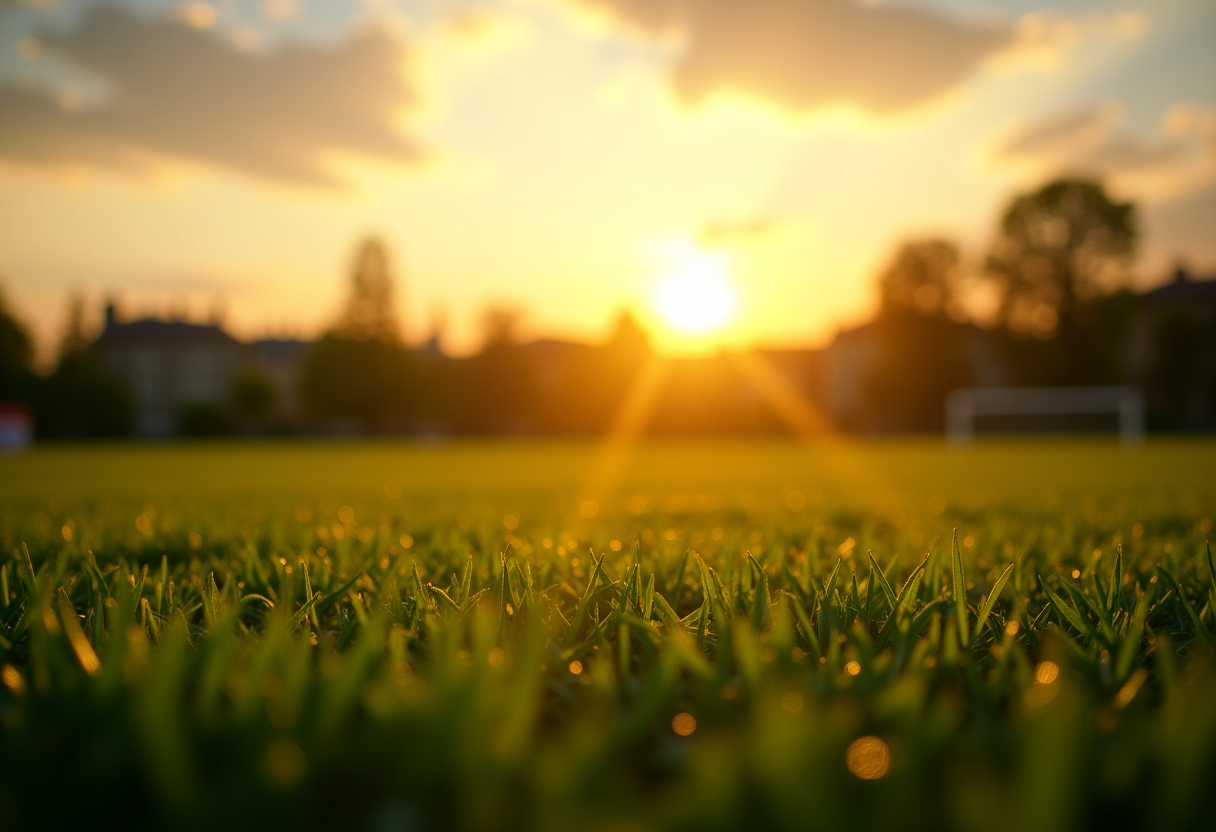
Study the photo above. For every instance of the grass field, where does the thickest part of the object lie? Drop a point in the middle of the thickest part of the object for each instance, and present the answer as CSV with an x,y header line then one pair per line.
x,y
559,635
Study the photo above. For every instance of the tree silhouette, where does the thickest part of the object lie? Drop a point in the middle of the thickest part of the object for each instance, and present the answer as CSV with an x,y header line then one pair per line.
x,y
500,326
370,314
75,342
921,355
921,277
16,357
1056,250
252,394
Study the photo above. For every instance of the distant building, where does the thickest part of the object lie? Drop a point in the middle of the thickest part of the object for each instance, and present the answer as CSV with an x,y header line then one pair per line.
x,y
849,362
1171,352
280,359
168,365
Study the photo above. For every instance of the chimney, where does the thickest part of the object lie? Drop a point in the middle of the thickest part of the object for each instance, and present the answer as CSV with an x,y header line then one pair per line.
x,y
111,314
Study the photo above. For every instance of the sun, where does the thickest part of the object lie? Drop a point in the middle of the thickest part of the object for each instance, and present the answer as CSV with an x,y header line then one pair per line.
x,y
695,295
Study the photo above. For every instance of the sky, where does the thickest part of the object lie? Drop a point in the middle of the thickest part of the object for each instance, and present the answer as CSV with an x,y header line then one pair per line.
x,y
572,158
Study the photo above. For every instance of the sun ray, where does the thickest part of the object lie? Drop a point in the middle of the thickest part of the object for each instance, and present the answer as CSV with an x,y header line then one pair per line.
x,y
621,438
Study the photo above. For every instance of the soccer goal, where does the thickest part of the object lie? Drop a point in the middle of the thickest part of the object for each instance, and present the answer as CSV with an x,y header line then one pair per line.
x,y
965,405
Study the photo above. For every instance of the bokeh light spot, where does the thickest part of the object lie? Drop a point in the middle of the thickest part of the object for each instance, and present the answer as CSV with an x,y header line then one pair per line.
x,y
284,763
868,758
683,724
1046,672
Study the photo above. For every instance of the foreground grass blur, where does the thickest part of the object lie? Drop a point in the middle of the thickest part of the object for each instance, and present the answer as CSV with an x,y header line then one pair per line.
x,y
714,635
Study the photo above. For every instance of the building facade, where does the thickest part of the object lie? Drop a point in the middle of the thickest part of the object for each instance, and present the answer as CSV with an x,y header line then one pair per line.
x,y
169,365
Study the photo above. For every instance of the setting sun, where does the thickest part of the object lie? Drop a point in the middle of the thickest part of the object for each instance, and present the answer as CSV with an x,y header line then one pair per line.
x,y
695,295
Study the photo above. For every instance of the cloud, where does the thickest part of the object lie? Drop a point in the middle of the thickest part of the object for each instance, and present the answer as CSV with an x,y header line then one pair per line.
x,y
1182,230
184,93
809,54
1176,158
728,233
1071,131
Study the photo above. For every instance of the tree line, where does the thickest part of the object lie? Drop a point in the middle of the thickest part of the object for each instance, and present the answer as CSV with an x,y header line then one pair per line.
x,y
1058,268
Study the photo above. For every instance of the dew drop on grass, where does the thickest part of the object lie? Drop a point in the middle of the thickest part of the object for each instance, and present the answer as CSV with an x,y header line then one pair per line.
x,y
868,758
683,724
12,679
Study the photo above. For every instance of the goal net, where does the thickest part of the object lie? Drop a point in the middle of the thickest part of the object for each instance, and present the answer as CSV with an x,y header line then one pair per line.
x,y
965,406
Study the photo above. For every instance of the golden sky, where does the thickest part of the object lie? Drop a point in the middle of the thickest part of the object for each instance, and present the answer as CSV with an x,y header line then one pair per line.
x,y
567,157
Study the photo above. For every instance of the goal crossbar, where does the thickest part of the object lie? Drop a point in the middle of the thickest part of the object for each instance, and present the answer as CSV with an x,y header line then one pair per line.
x,y
964,405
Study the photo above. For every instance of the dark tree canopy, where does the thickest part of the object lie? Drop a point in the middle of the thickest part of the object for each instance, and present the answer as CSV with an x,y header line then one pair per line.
x,y
16,347
922,277
253,394
1056,250
16,357
370,313
75,341
500,326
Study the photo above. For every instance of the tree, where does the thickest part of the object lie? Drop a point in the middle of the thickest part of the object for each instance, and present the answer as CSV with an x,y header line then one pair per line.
x,y
628,336
75,341
16,357
253,395
370,314
922,277
500,326
1057,249
922,352
79,398
365,382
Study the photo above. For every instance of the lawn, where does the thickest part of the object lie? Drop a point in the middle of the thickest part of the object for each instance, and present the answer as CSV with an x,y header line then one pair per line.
x,y
558,635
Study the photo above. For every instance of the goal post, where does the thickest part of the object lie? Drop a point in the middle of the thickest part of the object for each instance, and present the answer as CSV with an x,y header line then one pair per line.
x,y
964,405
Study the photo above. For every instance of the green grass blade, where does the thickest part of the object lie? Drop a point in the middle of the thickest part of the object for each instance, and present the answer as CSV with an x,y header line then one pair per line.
x,y
1132,640
1116,582
76,637
990,601
960,590
1066,611
882,582
333,597
466,582
584,604
1211,566
761,603
1196,621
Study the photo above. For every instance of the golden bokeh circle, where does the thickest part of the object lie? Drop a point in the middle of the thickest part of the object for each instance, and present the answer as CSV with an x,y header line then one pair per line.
x,y
868,758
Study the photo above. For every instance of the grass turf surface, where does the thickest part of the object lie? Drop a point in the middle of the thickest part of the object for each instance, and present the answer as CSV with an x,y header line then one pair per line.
x,y
553,635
